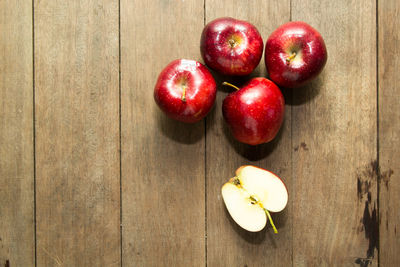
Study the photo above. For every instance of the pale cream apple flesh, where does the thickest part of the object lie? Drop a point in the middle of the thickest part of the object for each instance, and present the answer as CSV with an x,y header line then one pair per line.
x,y
251,194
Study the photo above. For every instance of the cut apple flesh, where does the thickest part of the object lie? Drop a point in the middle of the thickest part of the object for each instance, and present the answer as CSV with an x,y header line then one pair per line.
x,y
249,216
266,186
250,195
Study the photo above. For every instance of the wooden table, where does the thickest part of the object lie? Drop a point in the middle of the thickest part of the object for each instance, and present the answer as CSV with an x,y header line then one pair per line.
x,y
93,174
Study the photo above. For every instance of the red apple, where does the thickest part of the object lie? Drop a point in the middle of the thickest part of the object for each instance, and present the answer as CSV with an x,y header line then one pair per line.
x,y
231,46
255,112
185,90
295,53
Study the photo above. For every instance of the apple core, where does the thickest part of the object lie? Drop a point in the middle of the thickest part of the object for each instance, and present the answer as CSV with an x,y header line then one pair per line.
x,y
254,201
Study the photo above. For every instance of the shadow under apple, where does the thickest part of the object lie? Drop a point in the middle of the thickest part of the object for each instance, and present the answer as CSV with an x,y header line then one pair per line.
x,y
184,133
238,81
302,95
280,218
259,237
250,237
293,96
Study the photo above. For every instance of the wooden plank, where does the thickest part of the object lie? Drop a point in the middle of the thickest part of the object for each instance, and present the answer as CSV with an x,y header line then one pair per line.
x,y
163,203
77,133
335,139
227,243
389,131
17,240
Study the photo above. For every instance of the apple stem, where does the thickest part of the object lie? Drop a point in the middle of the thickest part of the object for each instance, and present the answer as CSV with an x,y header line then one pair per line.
x,y
231,85
290,58
271,221
184,94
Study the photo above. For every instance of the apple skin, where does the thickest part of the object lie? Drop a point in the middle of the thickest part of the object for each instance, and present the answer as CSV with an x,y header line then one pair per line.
x,y
231,46
200,89
255,112
310,58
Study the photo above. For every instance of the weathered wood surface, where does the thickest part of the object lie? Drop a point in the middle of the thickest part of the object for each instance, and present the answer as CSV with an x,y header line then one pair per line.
x,y
76,95
77,133
17,237
389,131
335,205
163,187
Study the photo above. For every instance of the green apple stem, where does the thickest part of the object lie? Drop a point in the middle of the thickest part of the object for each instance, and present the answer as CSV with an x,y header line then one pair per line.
x,y
231,85
292,56
184,94
271,221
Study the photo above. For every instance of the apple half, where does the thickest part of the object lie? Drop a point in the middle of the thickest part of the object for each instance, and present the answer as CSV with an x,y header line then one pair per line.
x,y
251,194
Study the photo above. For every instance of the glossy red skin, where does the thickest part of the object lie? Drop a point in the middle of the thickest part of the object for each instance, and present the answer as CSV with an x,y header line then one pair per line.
x,y
220,56
295,36
255,112
200,92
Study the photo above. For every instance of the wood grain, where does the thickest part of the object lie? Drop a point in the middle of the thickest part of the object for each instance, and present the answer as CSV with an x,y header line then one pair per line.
x,y
17,240
389,131
334,138
227,243
77,133
163,203
336,158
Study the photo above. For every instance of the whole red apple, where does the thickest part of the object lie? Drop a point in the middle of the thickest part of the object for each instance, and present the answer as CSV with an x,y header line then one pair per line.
x,y
231,46
295,53
185,90
255,112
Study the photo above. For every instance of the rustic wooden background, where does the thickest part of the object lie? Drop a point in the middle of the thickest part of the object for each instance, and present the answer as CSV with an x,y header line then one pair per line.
x,y
93,174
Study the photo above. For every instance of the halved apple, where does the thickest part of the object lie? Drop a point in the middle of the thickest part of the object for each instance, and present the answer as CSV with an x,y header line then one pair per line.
x,y
251,194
